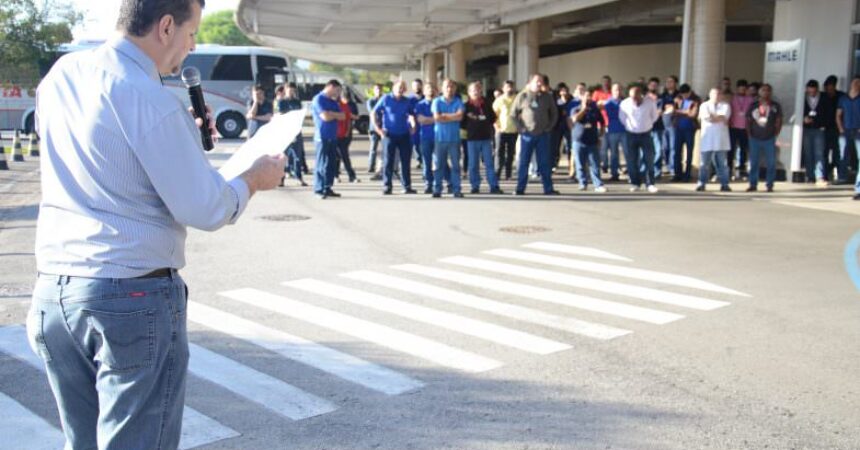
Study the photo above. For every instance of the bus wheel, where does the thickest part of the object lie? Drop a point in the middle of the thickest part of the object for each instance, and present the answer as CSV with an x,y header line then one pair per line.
x,y
230,125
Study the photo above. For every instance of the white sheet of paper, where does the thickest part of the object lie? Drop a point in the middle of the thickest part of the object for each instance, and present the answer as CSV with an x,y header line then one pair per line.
x,y
271,139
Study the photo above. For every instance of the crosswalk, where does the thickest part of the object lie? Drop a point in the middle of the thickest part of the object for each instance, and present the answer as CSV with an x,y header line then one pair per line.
x,y
562,293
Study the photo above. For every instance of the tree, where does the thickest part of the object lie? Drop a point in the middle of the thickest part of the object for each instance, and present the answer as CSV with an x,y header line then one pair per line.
x,y
219,28
30,34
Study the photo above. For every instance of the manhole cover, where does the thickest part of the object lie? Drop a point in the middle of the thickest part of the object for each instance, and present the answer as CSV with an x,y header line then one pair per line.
x,y
284,218
524,229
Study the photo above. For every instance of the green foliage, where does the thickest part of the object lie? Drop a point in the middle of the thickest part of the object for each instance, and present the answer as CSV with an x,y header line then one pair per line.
x,y
219,28
30,33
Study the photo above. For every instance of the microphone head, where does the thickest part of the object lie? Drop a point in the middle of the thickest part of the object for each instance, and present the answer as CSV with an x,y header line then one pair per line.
x,y
191,76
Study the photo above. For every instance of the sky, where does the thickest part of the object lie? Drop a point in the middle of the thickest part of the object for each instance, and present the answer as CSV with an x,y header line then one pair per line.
x,y
100,15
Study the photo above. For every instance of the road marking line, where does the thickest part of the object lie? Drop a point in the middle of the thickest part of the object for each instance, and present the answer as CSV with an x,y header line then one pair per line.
x,y
378,334
292,347
23,429
197,429
576,250
265,390
521,313
621,271
547,295
594,284
476,328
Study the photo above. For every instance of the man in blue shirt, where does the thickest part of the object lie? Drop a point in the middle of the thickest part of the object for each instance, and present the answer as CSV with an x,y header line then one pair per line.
x,y
615,133
326,112
848,122
375,138
424,117
585,121
448,112
296,150
396,129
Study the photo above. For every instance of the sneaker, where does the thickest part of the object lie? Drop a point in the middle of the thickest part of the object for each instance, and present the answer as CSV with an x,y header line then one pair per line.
x,y
700,188
475,191
752,189
437,195
458,195
386,192
429,191
770,188
552,192
497,191
653,189
634,188
410,191
376,177
519,193
355,180
582,187
601,189
303,184
331,193
822,183
725,189
856,196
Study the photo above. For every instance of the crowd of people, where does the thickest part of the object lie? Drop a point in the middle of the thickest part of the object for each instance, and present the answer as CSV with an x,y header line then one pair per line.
x,y
645,132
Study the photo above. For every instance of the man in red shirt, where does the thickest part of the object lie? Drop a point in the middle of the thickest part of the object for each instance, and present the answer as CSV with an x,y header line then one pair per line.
x,y
344,134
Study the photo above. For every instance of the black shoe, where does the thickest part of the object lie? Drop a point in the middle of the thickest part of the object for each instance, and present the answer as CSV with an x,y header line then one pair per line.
x,y
450,190
700,188
675,180
752,189
519,193
304,184
281,184
856,196
475,191
725,189
355,180
331,193
428,190
497,191
553,192
615,178
437,195
386,192
458,195
410,191
770,188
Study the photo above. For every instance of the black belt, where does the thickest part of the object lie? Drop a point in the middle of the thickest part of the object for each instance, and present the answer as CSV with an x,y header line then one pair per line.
x,y
159,273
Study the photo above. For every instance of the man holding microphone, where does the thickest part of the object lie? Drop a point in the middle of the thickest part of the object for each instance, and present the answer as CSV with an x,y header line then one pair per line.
x,y
123,175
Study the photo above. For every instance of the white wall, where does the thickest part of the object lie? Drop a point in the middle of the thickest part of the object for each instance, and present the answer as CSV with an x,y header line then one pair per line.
x,y
629,62
826,25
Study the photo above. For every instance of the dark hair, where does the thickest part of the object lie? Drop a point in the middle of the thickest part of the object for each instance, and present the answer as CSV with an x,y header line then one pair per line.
x,y
673,78
418,80
258,87
685,88
756,85
561,86
137,17
742,83
510,83
812,84
280,89
765,85
545,79
607,77
292,85
333,83
831,80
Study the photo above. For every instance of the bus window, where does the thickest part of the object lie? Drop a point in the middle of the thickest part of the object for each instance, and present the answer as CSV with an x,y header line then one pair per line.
x,y
203,63
271,63
232,68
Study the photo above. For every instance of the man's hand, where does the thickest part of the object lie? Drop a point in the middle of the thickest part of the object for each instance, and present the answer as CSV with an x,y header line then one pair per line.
x,y
199,121
265,174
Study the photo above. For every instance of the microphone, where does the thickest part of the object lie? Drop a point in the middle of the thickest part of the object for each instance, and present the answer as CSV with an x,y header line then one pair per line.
x,y
191,78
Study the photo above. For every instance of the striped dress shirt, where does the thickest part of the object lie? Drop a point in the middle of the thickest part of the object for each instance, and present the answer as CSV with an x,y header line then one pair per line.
x,y
123,169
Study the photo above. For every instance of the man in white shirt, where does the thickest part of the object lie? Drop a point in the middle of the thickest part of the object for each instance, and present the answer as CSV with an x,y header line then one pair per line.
x,y
714,142
638,114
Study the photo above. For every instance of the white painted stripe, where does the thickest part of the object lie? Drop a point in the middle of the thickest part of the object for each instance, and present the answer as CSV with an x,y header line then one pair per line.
x,y
471,327
197,429
265,390
369,331
22,429
516,312
304,351
576,250
546,295
594,284
621,271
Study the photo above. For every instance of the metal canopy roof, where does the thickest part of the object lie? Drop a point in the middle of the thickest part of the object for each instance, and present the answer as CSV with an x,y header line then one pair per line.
x,y
368,33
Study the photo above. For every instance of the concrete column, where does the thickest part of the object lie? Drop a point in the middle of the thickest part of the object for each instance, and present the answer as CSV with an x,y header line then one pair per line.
x,y
527,52
432,61
457,60
709,41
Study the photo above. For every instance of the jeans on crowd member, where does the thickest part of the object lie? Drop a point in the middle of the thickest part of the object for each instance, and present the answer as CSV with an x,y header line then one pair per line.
x,y
832,154
427,152
295,158
343,157
116,355
506,149
538,145
374,147
560,137
325,168
586,155
397,146
813,153
443,153
849,142
684,139
657,137
479,150
757,148
636,144
739,142
609,155
717,158
670,148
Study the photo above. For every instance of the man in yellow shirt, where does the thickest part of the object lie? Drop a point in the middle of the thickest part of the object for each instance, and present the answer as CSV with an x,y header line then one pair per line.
x,y
506,130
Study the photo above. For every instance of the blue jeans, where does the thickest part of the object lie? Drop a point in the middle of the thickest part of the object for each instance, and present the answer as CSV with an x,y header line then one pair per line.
x,y
757,147
587,154
477,151
443,153
717,158
343,157
427,152
539,145
609,152
739,145
848,142
326,165
813,153
296,157
397,146
684,139
669,148
636,144
116,356
374,146
657,137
